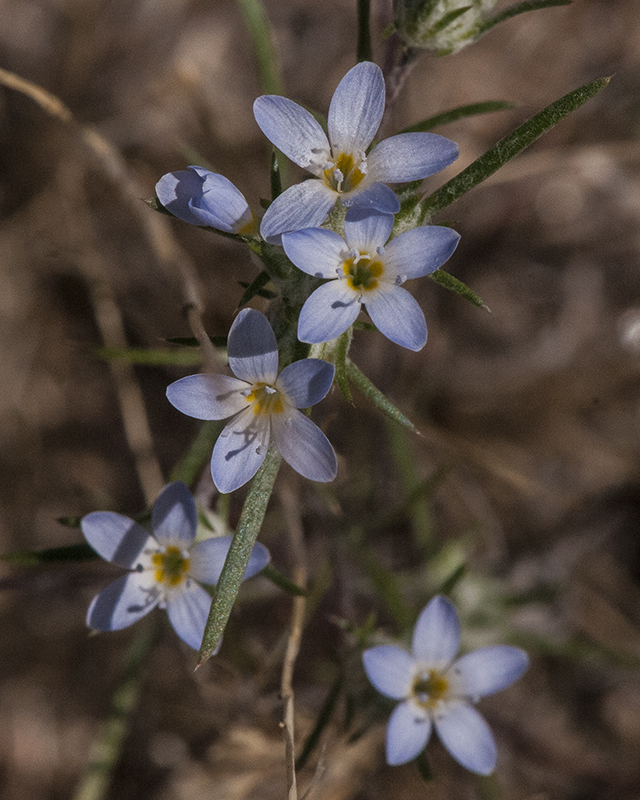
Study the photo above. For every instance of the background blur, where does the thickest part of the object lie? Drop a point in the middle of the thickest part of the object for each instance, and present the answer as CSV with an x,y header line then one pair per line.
x,y
531,413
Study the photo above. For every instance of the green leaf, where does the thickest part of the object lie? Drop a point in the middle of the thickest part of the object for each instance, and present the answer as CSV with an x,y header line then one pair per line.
x,y
72,552
255,288
445,117
445,21
519,8
508,147
282,582
443,278
150,357
192,463
377,397
257,23
191,341
363,50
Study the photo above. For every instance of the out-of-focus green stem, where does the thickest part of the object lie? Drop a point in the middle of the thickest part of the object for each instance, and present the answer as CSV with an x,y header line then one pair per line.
x,y
235,565
258,25
189,467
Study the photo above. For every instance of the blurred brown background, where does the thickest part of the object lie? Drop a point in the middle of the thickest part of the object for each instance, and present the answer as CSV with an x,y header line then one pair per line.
x,y
533,409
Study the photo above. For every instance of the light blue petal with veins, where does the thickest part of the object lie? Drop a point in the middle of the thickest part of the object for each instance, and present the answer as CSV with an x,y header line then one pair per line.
x,y
397,315
366,230
490,669
208,396
306,382
293,130
175,190
117,538
467,737
408,732
316,251
328,312
174,517
304,446
410,157
188,609
356,109
252,347
372,197
239,451
390,669
303,205
436,636
419,251
123,602
207,559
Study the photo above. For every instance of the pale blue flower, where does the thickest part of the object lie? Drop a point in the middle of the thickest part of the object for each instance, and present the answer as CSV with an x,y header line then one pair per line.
x,y
364,269
166,567
345,171
201,197
263,404
438,692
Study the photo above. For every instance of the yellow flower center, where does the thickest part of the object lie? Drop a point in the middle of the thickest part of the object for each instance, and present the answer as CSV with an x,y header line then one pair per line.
x,y
170,566
362,272
344,174
265,399
429,688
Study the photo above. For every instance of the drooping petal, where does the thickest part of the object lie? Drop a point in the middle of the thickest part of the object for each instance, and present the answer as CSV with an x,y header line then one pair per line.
x,y
489,669
220,204
208,557
239,451
303,205
365,230
409,157
390,669
436,636
397,315
174,518
356,109
304,446
117,538
252,347
372,197
176,190
208,396
188,609
419,251
408,732
293,130
316,251
467,737
306,382
328,312
123,602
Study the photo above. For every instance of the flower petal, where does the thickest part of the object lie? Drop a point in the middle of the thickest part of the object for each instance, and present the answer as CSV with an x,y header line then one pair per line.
x,y
408,732
328,312
188,609
356,109
303,205
410,157
117,538
316,251
306,382
397,315
175,191
219,204
123,602
239,451
390,669
252,347
372,197
436,637
174,518
304,446
489,669
208,557
208,396
467,737
293,130
419,251
365,229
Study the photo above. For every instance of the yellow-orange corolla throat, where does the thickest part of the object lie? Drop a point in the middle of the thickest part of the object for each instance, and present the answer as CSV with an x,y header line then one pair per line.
x,y
362,272
344,174
430,688
265,399
170,566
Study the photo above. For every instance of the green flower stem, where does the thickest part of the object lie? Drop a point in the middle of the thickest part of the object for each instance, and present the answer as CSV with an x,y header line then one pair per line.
x,y
377,397
508,147
245,536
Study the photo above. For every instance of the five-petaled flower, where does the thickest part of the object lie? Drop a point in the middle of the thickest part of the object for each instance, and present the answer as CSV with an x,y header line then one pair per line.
x,y
166,568
438,691
201,197
263,404
345,170
366,270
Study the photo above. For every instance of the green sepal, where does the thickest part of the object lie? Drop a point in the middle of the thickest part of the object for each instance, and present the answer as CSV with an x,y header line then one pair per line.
x,y
363,50
450,583
275,177
155,205
446,279
71,552
445,21
461,112
256,287
424,768
377,397
151,357
282,582
519,8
